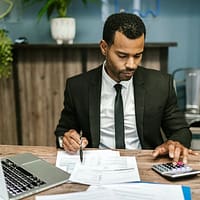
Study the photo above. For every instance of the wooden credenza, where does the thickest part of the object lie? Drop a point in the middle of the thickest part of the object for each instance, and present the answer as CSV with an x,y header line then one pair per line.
x,y
32,99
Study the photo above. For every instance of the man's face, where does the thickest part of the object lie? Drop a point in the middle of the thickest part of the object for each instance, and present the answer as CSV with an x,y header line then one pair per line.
x,y
123,56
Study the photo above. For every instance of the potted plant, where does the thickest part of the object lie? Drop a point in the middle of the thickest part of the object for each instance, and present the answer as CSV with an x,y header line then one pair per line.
x,y
6,55
63,27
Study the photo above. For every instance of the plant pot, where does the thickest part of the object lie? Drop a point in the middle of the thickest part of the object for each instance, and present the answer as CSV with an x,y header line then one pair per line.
x,y
63,30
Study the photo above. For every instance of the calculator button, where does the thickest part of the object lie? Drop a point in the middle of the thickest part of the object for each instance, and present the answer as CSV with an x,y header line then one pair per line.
x,y
179,163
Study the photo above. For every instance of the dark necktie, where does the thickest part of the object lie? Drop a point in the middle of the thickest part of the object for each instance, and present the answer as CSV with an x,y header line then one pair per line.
x,y
119,118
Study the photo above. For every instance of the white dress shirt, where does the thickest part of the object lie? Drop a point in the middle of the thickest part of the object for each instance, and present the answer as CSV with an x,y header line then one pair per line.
x,y
107,128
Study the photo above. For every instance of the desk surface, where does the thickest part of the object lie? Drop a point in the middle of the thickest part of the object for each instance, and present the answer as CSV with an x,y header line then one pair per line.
x,y
143,157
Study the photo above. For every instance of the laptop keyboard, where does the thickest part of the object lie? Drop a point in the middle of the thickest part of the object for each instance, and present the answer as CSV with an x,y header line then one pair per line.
x,y
18,180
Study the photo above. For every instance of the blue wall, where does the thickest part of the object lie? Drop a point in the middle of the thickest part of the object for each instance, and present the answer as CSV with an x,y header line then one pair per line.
x,y
178,21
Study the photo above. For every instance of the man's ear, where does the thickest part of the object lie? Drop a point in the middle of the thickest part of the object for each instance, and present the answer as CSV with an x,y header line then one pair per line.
x,y
104,47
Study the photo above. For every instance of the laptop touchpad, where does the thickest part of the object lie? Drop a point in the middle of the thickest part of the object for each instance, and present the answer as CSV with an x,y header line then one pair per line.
x,y
44,170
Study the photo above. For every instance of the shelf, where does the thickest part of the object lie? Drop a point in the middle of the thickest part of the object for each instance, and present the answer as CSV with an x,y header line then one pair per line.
x,y
91,45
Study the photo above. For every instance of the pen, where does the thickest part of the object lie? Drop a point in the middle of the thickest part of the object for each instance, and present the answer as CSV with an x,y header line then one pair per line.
x,y
81,148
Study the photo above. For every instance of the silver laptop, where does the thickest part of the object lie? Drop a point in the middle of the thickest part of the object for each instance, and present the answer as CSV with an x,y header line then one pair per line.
x,y
25,174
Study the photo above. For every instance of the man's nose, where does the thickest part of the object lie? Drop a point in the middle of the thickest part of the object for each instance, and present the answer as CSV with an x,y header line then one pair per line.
x,y
130,64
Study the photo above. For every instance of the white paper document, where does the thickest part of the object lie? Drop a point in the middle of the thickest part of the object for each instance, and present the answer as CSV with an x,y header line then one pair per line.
x,y
106,194
67,161
143,191
99,167
127,191
106,171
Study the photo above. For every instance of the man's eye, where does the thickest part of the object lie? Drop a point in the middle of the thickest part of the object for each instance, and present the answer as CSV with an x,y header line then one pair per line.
x,y
122,56
137,56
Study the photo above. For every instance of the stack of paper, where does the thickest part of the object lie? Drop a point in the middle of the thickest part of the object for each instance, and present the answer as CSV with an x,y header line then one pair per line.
x,y
128,191
112,177
99,167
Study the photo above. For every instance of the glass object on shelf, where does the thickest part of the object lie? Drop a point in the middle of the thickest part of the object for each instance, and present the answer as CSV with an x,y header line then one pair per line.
x,y
142,8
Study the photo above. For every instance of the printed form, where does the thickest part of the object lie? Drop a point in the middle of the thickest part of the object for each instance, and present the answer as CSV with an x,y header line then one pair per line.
x,y
99,167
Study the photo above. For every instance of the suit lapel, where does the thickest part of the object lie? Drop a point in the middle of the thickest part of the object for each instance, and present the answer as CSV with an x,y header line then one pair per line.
x,y
139,94
94,107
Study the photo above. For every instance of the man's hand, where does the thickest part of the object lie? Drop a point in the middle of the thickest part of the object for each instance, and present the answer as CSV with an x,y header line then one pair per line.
x,y
71,141
175,150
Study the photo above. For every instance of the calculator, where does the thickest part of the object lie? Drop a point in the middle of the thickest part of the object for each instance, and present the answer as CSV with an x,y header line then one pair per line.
x,y
171,171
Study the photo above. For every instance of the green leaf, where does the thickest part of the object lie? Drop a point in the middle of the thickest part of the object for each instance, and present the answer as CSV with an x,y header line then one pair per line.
x,y
6,56
51,6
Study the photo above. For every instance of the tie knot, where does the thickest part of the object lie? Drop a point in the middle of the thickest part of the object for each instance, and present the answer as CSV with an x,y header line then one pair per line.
x,y
118,87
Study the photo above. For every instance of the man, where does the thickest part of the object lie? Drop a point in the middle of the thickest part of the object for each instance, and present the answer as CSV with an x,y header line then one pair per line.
x,y
149,99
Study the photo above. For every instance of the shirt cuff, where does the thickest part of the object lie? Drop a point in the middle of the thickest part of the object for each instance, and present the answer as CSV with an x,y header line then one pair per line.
x,y
60,141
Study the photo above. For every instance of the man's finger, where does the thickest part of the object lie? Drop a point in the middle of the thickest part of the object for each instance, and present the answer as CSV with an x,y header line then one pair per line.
x,y
70,145
176,154
190,151
185,155
155,153
84,142
74,135
172,149
161,150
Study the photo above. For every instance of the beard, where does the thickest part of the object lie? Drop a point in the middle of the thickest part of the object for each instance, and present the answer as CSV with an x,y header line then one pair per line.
x,y
126,75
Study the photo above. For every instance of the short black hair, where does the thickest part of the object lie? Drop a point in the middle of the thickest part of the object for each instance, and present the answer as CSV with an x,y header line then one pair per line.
x,y
129,24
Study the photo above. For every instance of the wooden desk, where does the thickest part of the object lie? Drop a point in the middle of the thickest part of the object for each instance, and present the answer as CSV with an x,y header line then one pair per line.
x,y
143,157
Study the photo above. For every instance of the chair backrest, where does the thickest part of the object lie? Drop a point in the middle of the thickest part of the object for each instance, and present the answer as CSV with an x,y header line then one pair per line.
x,y
191,80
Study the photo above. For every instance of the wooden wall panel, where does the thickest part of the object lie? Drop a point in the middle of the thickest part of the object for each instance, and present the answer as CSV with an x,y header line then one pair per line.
x,y
150,59
8,131
94,57
42,75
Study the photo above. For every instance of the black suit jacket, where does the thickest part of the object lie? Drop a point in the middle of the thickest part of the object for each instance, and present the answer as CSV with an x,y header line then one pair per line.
x,y
155,104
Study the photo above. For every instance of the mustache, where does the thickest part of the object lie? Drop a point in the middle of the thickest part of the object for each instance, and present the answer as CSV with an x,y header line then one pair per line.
x,y
128,70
